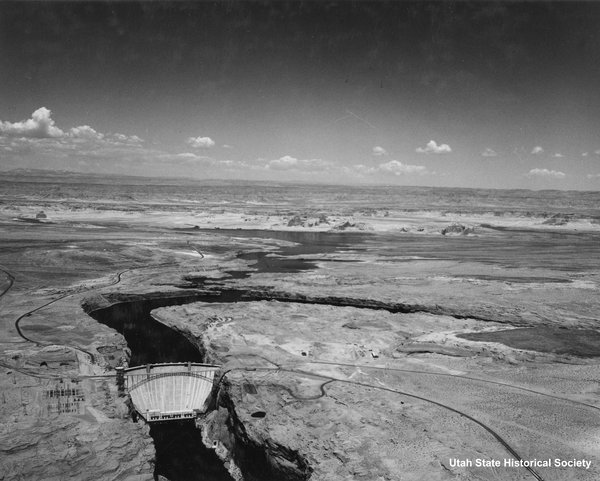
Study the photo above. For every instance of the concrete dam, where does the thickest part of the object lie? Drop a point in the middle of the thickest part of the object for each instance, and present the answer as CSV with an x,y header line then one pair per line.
x,y
169,391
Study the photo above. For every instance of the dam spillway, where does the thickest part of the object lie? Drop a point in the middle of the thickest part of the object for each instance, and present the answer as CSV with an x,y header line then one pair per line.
x,y
169,391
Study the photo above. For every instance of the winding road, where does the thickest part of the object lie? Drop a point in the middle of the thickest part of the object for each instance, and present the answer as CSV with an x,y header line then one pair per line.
x,y
116,280
327,380
330,379
487,381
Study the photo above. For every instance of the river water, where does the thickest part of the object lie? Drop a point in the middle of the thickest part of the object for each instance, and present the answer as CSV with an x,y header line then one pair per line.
x,y
180,453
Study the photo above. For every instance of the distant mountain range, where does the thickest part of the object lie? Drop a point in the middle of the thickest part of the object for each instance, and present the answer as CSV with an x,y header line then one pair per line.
x,y
70,177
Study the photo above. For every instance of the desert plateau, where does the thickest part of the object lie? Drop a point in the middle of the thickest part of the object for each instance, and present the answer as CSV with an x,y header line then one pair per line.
x,y
378,342
299,240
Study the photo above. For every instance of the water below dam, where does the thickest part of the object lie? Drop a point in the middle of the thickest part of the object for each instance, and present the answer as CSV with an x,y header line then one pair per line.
x,y
180,453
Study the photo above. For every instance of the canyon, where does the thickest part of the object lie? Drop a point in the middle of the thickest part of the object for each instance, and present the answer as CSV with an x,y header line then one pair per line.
x,y
380,353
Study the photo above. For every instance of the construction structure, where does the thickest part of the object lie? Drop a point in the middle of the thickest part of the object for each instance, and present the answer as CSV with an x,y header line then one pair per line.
x,y
168,392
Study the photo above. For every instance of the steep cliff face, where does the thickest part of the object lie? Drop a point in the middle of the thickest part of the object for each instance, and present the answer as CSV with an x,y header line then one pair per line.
x,y
248,449
236,430
179,453
330,392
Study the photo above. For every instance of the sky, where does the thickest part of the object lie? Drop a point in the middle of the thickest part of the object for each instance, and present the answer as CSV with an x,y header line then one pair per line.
x,y
458,94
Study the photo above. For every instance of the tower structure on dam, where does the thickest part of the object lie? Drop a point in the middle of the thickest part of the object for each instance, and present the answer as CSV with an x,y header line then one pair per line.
x,y
169,392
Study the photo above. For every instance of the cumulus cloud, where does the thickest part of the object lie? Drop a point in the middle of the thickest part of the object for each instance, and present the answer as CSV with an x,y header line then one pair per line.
x,y
126,139
597,152
188,158
558,155
384,170
236,165
363,169
433,148
398,168
554,174
593,176
537,150
40,125
201,142
85,132
283,163
585,154
377,150
39,141
287,162
489,153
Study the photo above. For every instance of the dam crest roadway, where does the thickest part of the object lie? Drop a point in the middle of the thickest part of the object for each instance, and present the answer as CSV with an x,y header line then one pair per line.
x,y
168,391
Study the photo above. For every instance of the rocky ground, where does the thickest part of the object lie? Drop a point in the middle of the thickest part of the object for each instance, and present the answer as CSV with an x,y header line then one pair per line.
x,y
357,393
383,354
62,417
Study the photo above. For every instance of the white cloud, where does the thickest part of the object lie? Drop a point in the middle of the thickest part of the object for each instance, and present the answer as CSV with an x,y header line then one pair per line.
x,y
227,146
284,163
127,139
597,152
433,148
558,155
201,142
379,151
40,125
537,150
363,169
584,154
38,141
555,174
187,157
398,168
236,165
593,176
85,132
384,170
489,153
288,162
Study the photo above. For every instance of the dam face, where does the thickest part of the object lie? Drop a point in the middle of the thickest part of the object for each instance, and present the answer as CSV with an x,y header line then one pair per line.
x,y
171,391
180,452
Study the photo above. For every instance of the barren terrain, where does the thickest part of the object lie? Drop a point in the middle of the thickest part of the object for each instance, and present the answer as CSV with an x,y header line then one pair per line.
x,y
359,339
